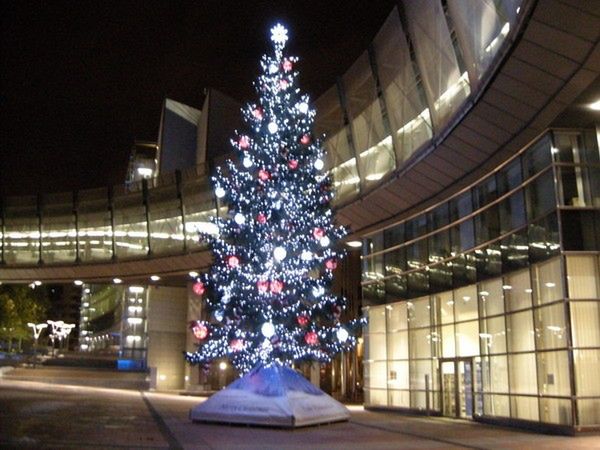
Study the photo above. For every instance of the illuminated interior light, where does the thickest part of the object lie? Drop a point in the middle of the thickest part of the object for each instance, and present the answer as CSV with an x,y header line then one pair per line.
x,y
595,106
134,320
193,274
354,244
136,289
117,280
77,282
145,171
154,277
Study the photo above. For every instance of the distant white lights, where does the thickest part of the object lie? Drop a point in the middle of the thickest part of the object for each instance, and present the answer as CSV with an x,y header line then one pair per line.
x,y
220,192
279,34
117,280
144,171
324,241
154,277
354,244
247,162
319,164
37,283
595,106
239,218
77,282
279,253
136,289
193,274
222,365
272,127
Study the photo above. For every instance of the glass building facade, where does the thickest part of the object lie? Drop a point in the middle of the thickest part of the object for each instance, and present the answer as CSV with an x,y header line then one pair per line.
x,y
487,305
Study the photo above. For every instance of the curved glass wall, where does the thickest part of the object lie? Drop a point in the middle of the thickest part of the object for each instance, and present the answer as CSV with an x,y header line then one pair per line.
x,y
123,222
482,305
416,75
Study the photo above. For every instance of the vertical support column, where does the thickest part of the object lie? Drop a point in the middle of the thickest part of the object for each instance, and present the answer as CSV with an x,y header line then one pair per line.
x,y
40,208
145,200
181,206
111,210
348,126
75,212
382,103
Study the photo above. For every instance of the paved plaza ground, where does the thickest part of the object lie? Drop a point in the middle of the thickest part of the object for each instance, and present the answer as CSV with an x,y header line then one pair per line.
x,y
38,413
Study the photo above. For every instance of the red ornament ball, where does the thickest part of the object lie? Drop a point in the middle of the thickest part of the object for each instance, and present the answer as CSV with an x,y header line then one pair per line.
x,y
293,164
261,218
283,84
263,286
276,286
233,261
237,345
258,114
318,233
244,142
287,65
200,330
311,338
331,264
302,320
305,139
198,288
264,175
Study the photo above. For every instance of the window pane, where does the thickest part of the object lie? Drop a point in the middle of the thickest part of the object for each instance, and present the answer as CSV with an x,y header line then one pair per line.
x,y
519,332
540,196
582,276
491,297
537,157
524,407
587,368
518,295
397,316
418,313
548,281
555,410
553,373
444,306
397,345
585,317
493,335
398,375
494,374
467,338
420,343
522,373
550,329
496,405
465,303
448,345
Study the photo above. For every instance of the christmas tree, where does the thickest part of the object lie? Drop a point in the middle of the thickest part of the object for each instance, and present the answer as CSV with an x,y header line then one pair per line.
x,y
268,290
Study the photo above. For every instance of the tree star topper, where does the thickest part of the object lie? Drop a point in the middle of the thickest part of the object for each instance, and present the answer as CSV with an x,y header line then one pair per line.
x,y
279,34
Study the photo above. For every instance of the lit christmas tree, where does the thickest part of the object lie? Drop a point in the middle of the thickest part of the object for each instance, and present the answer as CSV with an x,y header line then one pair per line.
x,y
268,290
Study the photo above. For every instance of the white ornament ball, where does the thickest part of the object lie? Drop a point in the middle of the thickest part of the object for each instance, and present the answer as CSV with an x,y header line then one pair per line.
x,y
306,255
302,107
272,127
239,218
220,192
273,68
319,164
342,335
318,291
247,162
279,253
324,241
267,329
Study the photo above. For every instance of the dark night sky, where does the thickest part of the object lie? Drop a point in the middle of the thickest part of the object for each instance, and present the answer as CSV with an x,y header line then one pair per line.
x,y
81,80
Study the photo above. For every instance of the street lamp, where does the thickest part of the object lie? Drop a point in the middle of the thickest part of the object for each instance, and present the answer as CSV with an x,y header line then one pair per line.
x,y
37,330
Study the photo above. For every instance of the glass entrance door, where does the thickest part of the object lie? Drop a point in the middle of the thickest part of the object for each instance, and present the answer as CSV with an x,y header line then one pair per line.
x,y
457,387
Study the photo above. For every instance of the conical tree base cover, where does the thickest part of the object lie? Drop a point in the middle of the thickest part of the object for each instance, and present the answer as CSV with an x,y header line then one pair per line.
x,y
271,396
